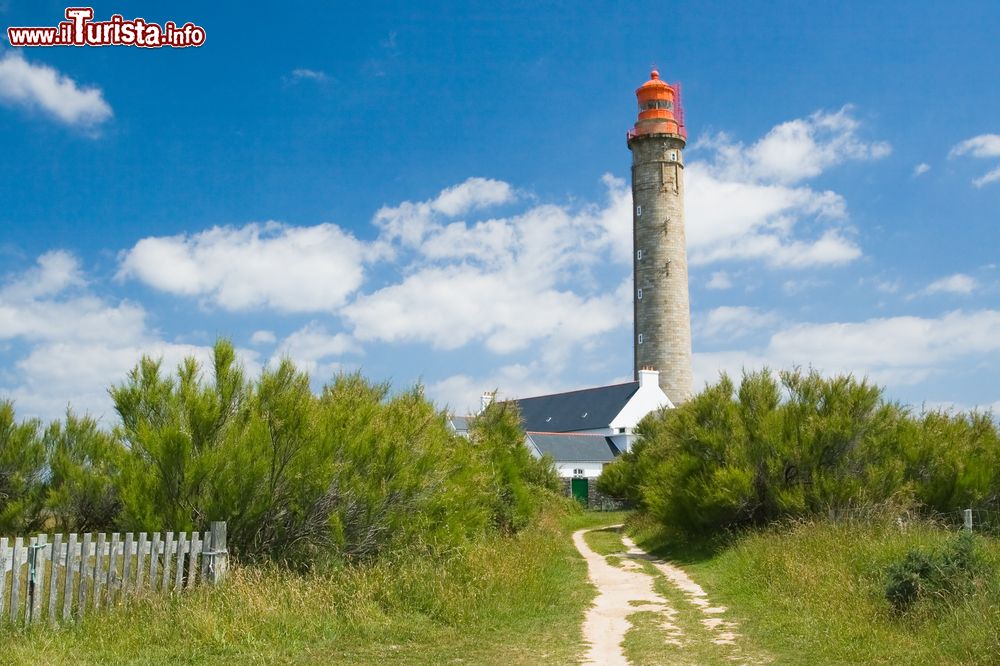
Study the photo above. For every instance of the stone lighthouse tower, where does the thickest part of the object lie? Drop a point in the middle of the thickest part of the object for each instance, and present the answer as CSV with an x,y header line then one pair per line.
x,y
662,314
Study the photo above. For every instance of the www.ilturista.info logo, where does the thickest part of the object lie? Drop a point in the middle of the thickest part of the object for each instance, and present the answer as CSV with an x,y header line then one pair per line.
x,y
79,29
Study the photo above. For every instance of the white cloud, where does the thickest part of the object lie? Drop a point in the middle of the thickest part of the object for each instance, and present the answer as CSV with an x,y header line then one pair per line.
x,y
473,194
34,307
886,286
795,150
740,221
263,338
78,374
303,73
31,85
895,350
720,280
56,270
290,269
453,306
731,322
77,344
959,283
461,393
312,347
984,145
921,169
410,221
506,282
745,203
988,177
792,287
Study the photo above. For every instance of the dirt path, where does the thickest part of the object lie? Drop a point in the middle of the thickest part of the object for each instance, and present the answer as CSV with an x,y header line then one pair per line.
x,y
625,588
621,592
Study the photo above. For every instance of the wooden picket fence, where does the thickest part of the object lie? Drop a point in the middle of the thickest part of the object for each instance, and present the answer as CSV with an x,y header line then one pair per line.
x,y
62,577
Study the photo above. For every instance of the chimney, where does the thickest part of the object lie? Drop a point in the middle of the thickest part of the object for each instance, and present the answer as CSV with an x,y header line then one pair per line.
x,y
485,400
648,377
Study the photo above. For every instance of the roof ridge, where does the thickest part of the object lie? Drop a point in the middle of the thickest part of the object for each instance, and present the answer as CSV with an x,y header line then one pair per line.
x,y
592,388
565,434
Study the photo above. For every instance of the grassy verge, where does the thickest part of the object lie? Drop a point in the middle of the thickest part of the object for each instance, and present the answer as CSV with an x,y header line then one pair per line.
x,y
605,542
814,593
516,600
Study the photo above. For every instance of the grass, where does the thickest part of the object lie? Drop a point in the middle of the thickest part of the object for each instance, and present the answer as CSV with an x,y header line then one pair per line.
x,y
815,593
605,542
510,600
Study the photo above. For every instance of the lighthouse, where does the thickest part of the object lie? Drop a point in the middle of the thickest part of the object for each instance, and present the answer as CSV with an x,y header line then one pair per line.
x,y
662,314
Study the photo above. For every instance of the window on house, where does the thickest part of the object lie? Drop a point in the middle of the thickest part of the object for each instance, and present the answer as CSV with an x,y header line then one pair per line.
x,y
577,472
621,431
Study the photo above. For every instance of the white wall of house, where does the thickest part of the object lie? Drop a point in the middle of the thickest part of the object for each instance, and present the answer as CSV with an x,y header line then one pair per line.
x,y
567,469
648,398
590,470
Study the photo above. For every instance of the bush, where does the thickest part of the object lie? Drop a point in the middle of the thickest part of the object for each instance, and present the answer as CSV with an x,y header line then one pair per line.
x,y
84,462
942,574
801,445
515,478
22,473
351,473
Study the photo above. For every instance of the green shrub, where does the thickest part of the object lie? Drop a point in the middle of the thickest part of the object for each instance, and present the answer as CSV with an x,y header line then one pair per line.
x,y
800,445
84,462
942,573
22,473
351,473
514,477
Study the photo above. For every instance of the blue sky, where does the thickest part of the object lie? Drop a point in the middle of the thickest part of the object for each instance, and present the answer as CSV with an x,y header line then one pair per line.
x,y
438,193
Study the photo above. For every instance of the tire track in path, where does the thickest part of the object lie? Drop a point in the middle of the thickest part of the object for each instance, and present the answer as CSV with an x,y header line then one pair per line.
x,y
629,588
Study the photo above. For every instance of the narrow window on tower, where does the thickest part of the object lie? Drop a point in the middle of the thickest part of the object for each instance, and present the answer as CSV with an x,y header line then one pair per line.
x,y
638,255
639,294
638,211
640,338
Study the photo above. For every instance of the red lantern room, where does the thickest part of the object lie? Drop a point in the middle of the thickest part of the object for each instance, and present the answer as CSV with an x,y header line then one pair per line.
x,y
660,109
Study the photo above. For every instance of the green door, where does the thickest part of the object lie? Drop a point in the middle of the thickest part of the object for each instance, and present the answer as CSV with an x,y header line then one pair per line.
x,y
580,488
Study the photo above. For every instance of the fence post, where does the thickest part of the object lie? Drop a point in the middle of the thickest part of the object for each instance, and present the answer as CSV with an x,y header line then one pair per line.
x,y
15,581
36,576
68,582
967,519
220,556
81,588
181,548
99,576
3,574
57,549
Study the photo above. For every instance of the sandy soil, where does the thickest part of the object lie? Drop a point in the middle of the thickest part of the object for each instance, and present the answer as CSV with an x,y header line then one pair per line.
x,y
621,592
626,589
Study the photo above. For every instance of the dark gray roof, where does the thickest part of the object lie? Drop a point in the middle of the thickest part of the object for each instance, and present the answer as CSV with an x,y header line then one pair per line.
x,y
574,448
460,423
587,409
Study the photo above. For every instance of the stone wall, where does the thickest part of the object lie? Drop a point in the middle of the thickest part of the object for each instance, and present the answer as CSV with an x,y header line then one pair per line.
x,y
596,500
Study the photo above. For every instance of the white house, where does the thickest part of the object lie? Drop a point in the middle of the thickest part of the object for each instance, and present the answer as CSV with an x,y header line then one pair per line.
x,y
584,430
